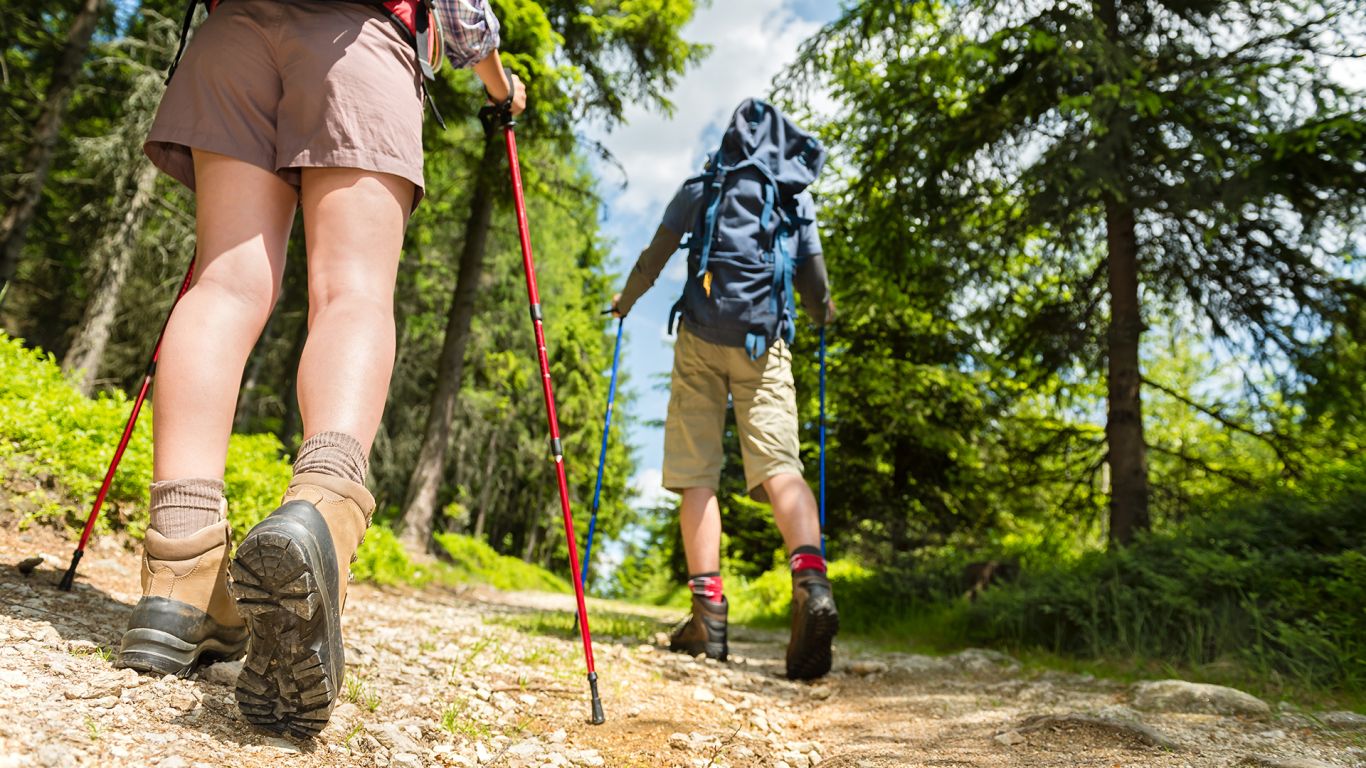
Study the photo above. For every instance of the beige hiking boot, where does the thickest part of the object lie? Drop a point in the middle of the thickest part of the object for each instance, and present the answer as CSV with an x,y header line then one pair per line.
x,y
289,579
185,613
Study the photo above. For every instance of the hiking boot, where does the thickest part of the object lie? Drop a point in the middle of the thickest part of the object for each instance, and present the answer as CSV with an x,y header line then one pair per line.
x,y
289,579
185,613
814,624
704,631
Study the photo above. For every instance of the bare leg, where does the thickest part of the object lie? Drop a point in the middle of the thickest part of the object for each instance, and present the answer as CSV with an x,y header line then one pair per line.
x,y
243,218
354,222
794,510
700,519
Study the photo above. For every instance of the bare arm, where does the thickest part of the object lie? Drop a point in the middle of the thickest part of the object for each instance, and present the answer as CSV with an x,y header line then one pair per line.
x,y
490,70
813,284
647,269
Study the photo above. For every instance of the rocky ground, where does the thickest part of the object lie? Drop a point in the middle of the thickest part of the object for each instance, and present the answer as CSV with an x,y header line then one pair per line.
x,y
478,678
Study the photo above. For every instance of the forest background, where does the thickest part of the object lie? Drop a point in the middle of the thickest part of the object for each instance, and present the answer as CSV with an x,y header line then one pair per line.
x,y
1096,388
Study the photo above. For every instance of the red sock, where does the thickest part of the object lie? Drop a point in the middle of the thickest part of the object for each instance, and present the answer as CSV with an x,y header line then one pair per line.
x,y
706,585
803,558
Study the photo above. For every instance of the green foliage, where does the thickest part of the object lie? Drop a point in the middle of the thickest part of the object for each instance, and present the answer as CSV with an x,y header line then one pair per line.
x,y
382,560
473,560
54,433
1275,582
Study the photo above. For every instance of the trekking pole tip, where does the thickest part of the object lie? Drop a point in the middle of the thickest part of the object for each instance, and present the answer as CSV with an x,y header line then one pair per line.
x,y
69,578
598,717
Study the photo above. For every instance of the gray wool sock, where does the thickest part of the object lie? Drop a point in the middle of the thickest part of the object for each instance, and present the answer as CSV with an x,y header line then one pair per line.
x,y
333,453
181,508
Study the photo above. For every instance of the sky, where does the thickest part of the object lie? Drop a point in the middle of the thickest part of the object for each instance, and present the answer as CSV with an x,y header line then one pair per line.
x,y
751,41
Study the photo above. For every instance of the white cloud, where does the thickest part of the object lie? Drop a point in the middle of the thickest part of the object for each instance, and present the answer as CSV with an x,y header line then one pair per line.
x,y
650,494
751,42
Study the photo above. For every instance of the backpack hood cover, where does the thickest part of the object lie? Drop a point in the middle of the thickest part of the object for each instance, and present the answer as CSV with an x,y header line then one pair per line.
x,y
759,131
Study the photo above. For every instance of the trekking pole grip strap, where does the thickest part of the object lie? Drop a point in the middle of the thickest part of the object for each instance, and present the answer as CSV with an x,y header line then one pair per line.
x,y
499,114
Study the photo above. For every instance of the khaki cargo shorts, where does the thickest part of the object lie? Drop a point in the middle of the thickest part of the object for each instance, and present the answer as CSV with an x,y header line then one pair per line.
x,y
765,401
290,85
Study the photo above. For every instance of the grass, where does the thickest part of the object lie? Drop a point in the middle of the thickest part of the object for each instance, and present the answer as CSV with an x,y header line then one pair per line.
x,y
358,694
623,626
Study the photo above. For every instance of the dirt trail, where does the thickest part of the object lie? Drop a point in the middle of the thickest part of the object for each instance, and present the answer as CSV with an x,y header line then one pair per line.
x,y
479,678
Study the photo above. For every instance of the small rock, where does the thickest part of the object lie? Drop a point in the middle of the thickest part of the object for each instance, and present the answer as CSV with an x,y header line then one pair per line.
x,y
222,673
1010,738
55,756
393,737
679,741
981,660
282,745
1343,721
174,761
27,565
865,667
662,639
585,757
405,760
703,695
1261,761
556,737
1196,698
821,693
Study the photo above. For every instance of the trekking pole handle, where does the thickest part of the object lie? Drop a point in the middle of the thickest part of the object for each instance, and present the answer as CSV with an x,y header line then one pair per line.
x,y
499,114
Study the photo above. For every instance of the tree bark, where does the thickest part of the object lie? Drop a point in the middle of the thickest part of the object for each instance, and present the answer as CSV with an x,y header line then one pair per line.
x,y
1124,425
15,224
115,252
419,508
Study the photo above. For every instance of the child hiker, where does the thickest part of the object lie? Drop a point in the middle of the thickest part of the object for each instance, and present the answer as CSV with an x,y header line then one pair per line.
x,y
279,104
752,239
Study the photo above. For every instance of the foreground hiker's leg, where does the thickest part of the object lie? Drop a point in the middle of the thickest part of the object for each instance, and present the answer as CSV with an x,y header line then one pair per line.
x,y
290,574
243,217
185,614
354,224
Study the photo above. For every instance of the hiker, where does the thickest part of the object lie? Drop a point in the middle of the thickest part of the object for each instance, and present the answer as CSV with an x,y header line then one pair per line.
x,y
276,105
752,238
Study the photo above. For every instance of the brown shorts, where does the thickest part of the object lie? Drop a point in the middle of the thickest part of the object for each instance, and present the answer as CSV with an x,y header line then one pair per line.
x,y
765,401
286,85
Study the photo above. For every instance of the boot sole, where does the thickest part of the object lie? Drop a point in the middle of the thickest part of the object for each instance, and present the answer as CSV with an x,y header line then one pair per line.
x,y
291,676
156,652
813,658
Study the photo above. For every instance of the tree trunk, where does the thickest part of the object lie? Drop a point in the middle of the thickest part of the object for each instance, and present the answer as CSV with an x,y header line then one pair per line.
x,y
419,508
1124,426
115,251
490,480
14,226
292,423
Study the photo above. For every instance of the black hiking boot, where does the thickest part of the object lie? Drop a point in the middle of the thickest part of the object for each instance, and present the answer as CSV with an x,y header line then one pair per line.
x,y
285,579
704,631
815,621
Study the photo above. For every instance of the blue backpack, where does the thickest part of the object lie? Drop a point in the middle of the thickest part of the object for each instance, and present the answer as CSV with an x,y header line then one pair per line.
x,y
739,287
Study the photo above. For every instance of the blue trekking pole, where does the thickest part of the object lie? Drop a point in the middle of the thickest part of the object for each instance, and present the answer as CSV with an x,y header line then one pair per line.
x,y
822,358
602,456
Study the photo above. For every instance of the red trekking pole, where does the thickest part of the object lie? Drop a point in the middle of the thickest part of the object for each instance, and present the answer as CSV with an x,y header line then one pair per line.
x,y
69,578
500,116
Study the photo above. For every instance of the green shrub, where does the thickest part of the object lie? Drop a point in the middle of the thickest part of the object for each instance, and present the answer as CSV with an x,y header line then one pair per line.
x,y
382,560
473,560
1277,582
53,434
49,431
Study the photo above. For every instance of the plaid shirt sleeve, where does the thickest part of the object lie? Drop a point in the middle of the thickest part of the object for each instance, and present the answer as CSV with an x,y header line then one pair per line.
x,y
471,30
